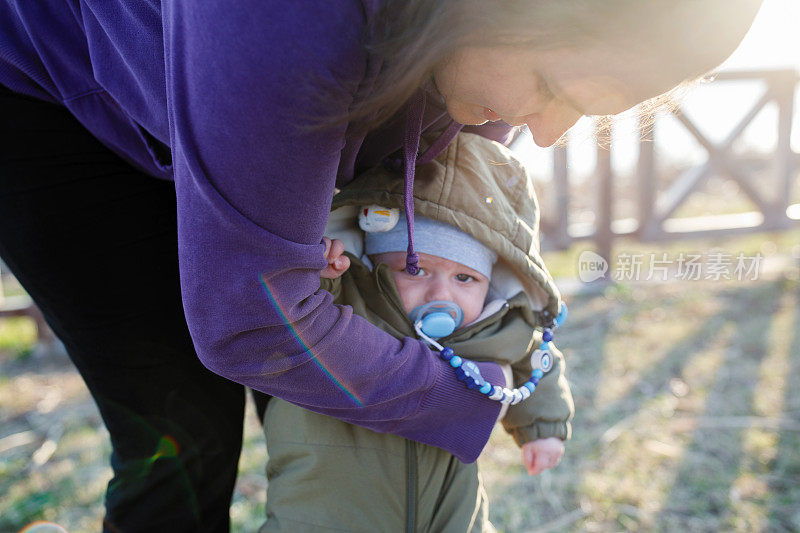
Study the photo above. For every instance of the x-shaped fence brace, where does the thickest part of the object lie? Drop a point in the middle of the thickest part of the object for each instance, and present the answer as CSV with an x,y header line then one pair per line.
x,y
721,161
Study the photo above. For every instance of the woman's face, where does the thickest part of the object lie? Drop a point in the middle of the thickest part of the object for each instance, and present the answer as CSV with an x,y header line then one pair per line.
x,y
550,89
547,90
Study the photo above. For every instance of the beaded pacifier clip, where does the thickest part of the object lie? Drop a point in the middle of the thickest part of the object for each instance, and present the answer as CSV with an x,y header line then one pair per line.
x,y
468,372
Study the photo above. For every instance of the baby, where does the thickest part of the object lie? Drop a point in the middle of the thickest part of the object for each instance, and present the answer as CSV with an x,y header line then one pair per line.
x,y
482,290
453,267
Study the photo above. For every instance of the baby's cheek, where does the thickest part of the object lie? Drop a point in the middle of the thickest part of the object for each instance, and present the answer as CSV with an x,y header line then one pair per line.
x,y
474,303
471,311
407,294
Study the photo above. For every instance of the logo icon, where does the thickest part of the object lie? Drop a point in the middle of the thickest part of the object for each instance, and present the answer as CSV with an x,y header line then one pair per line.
x,y
591,266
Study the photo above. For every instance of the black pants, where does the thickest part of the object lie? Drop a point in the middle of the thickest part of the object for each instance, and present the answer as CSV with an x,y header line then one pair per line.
x,y
93,241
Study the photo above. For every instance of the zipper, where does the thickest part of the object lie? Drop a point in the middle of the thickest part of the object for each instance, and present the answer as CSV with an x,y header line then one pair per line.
x,y
411,486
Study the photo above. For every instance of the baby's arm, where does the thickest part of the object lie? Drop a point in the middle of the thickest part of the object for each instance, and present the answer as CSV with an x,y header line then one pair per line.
x,y
338,263
540,424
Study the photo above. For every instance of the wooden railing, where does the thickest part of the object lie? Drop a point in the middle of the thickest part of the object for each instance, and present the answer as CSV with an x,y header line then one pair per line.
x,y
22,305
654,210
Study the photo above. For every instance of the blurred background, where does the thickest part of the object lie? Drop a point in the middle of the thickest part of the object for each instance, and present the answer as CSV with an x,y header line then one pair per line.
x,y
676,243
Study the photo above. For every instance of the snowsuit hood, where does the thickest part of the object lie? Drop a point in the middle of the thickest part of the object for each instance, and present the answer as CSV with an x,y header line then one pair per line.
x,y
466,186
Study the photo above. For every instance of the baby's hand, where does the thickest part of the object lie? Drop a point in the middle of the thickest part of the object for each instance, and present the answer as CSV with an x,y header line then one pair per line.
x,y
337,263
542,454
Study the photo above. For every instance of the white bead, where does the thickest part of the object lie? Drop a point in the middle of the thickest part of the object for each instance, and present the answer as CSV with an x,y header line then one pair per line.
x,y
497,393
525,392
536,359
517,397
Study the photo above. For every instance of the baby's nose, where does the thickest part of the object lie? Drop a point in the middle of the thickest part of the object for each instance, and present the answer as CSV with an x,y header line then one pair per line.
x,y
439,290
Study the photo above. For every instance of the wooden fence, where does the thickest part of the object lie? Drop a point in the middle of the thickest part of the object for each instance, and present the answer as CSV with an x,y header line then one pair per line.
x,y
653,222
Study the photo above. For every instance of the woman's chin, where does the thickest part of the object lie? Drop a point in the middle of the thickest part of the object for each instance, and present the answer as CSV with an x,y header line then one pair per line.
x,y
470,120
466,117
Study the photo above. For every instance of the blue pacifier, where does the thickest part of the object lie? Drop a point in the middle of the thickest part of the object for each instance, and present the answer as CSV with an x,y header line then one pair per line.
x,y
437,319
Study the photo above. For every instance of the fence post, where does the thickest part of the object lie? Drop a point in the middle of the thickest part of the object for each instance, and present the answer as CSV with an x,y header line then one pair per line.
x,y
561,179
605,212
784,86
646,174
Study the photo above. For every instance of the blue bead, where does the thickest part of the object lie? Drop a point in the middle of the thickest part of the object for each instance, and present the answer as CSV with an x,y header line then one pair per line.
x,y
487,388
545,346
455,361
534,381
547,335
562,314
537,373
530,386
447,353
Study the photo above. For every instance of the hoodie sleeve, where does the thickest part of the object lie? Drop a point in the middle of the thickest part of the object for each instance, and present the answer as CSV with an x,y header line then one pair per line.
x,y
248,84
547,413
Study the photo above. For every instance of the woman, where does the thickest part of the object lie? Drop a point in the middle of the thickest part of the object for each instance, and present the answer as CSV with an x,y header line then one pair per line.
x,y
252,112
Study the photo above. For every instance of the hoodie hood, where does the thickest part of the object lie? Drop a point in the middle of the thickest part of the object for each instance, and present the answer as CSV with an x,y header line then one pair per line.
x,y
478,186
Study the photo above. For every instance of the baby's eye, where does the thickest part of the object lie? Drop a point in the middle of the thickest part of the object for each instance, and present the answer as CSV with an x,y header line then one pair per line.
x,y
464,278
420,273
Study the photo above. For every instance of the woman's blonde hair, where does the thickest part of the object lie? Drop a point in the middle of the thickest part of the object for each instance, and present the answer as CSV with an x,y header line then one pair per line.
x,y
411,37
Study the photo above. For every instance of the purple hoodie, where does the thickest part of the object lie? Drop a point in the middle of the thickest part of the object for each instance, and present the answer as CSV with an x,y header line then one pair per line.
x,y
220,97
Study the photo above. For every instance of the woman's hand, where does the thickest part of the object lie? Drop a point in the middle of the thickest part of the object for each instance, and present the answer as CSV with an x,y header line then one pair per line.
x,y
542,454
337,262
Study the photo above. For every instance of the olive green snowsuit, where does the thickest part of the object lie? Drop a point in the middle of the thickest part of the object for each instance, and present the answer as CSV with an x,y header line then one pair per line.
x,y
327,475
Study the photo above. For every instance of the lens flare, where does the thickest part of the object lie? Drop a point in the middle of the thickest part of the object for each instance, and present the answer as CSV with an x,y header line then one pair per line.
x,y
167,447
40,526
306,348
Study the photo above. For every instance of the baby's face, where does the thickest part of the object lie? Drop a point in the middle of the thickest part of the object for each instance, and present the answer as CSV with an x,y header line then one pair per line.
x,y
437,279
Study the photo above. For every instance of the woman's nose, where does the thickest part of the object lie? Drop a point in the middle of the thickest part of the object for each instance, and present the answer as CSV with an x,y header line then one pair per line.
x,y
548,126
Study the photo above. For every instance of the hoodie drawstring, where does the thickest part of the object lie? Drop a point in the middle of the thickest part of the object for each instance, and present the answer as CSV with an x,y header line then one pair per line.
x,y
413,132
410,148
440,143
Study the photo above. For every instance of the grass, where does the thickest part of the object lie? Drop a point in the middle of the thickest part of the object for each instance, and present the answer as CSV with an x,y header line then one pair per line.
x,y
17,336
687,417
